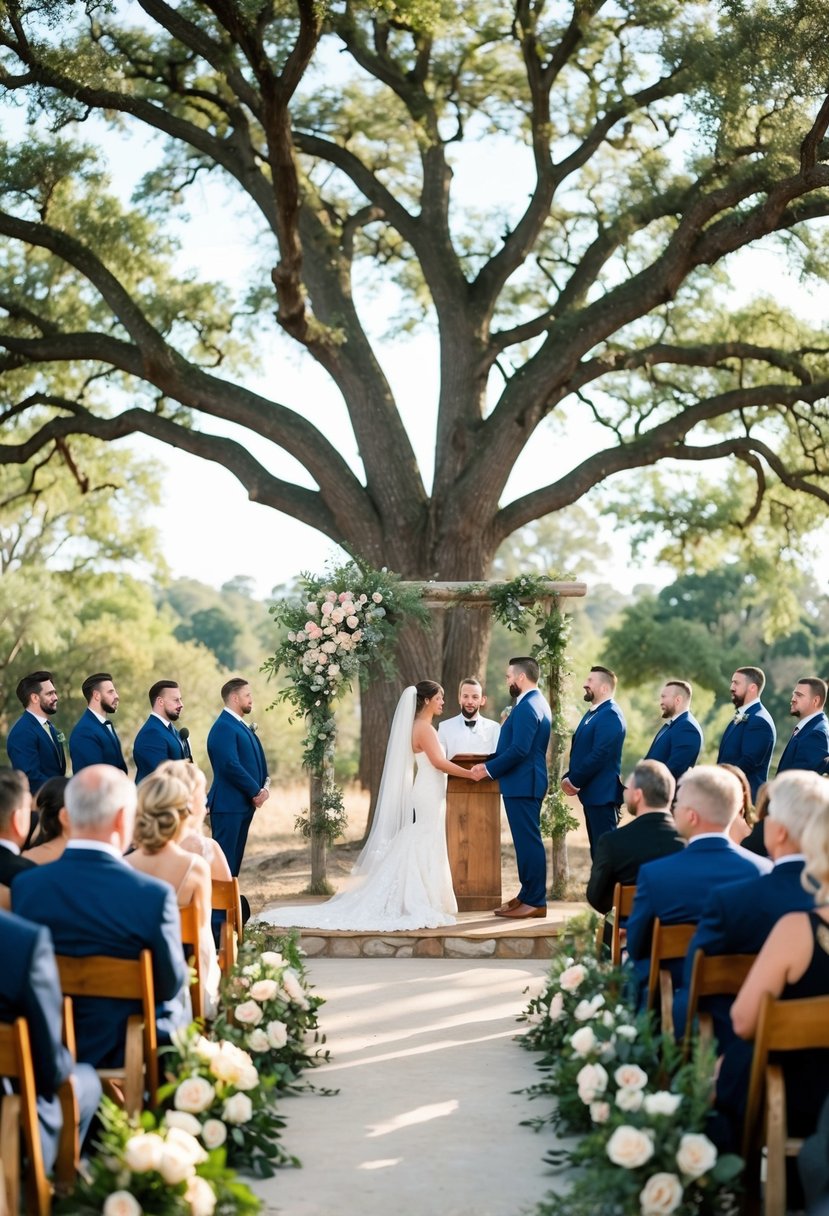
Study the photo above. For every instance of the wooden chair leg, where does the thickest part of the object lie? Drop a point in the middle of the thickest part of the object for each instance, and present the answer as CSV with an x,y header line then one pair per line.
x,y
10,1151
775,1191
69,1147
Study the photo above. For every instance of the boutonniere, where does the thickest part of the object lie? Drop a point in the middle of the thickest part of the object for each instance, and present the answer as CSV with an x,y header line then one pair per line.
x,y
254,726
740,717
61,737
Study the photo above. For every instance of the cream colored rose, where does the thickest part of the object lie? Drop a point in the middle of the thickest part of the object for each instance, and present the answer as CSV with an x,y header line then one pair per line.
x,y
277,1034
184,1122
271,958
630,1076
583,1041
214,1133
263,990
591,1081
661,1195
238,1109
556,1006
248,1077
187,1144
600,1112
627,1032
142,1153
628,1099
572,977
175,1165
696,1155
585,1010
292,986
194,1095
248,1013
230,1063
205,1049
121,1203
257,1040
662,1102
201,1197
629,1147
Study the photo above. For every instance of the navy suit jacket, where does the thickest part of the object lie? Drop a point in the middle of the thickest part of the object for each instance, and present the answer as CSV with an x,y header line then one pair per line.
x,y
619,855
749,745
91,742
37,753
153,744
239,766
737,919
520,760
676,889
678,744
596,756
808,749
94,903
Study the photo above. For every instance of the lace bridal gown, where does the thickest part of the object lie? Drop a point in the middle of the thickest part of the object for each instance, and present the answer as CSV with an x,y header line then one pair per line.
x,y
406,882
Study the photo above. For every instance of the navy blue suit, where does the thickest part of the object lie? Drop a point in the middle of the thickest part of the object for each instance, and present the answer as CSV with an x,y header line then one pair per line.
x,y
748,745
676,889
520,766
677,744
95,742
737,919
30,989
596,766
239,773
95,903
36,751
153,744
808,749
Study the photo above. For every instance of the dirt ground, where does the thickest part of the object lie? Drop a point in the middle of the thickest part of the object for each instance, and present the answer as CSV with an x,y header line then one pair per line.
x,y
278,860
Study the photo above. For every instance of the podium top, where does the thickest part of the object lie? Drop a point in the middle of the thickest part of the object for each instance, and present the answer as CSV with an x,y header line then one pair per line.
x,y
477,757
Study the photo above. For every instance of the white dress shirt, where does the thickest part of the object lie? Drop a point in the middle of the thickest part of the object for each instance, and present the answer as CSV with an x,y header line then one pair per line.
x,y
480,739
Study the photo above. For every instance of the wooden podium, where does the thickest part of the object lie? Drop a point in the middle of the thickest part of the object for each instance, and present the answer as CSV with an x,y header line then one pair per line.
x,y
473,839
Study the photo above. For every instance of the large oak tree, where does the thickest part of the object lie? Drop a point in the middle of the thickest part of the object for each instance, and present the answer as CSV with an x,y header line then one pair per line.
x,y
660,139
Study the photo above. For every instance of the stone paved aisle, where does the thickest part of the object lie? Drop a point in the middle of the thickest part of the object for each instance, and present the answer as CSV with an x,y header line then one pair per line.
x,y
426,1121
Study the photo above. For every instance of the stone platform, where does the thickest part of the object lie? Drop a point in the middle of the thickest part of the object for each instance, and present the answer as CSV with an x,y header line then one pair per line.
x,y
475,935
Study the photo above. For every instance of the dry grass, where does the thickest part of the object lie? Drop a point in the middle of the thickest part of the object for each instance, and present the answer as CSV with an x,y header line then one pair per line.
x,y
278,859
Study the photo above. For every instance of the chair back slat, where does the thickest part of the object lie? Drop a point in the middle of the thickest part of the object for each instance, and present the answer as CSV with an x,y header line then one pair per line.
x,y
668,942
16,1063
623,896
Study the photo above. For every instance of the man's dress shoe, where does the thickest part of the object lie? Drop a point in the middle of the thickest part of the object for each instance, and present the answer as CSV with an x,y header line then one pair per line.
x,y
511,903
522,912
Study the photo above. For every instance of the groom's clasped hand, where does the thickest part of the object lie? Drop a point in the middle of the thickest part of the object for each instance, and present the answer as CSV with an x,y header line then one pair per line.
x,y
478,772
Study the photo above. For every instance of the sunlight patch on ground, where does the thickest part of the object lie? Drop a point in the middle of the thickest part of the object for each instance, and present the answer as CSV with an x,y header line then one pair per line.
x,y
422,1114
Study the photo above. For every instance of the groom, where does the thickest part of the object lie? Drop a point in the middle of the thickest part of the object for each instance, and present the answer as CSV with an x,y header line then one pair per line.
x,y
520,764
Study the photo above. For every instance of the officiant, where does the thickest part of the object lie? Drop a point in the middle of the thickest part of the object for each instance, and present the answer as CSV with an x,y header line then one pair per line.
x,y
469,733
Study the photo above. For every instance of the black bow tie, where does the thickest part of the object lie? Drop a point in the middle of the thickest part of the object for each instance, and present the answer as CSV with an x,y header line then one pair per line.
x,y
470,724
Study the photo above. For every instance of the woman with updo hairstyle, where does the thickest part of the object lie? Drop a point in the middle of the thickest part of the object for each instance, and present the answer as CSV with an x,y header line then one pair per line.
x,y
193,838
53,822
162,817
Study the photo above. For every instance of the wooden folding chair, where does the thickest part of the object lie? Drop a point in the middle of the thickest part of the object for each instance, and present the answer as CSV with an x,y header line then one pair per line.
x,y
126,979
712,975
191,919
668,942
623,896
226,898
801,1025
18,1116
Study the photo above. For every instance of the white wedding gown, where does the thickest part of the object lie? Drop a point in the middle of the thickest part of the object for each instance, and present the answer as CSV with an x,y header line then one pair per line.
x,y
409,886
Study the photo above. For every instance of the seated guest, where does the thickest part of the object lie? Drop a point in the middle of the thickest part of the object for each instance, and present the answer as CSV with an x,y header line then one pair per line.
x,y
30,989
15,820
193,838
163,811
675,888
652,833
94,903
53,822
741,827
738,918
755,842
793,963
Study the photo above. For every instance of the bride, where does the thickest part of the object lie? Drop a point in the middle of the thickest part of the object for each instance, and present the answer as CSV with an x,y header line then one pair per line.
x,y
405,880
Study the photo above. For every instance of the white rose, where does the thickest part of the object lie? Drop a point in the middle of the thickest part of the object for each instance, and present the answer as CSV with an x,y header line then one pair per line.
x,y
311,608
238,1109
571,977
377,597
205,1049
186,1144
184,1122
333,669
201,1197
630,1076
660,1195
248,1013
608,1019
662,1102
556,1006
588,1009
247,1077
600,1112
258,1040
696,1155
194,1095
264,990
271,958
214,1133
592,1081
352,621
121,1203
329,647
628,1099
627,1032
142,1153
277,1034
583,1041
175,1165
629,1147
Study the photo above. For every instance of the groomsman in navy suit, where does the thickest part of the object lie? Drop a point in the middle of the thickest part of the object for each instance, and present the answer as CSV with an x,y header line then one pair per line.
x,y
34,746
749,738
30,989
596,757
520,765
93,739
240,772
808,747
678,743
158,738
